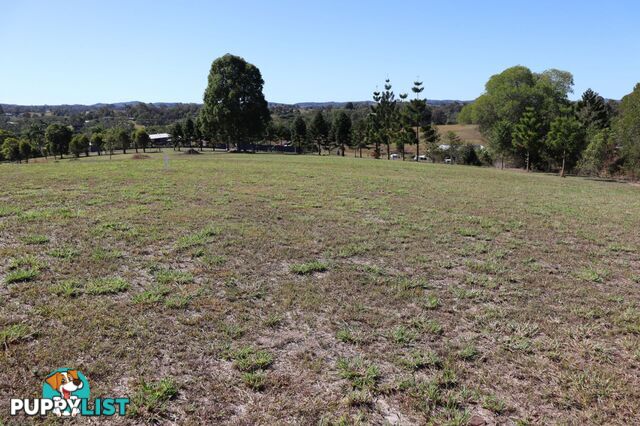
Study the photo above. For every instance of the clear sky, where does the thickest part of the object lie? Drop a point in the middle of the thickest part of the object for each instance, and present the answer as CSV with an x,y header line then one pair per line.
x,y
93,51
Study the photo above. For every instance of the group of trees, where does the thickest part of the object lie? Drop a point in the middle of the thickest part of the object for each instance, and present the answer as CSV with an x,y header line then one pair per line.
x,y
59,140
528,118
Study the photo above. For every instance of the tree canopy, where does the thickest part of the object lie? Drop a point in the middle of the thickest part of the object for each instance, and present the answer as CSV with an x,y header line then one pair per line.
x,y
234,105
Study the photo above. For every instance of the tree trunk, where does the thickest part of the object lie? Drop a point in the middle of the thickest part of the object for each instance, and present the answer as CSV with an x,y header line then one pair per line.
x,y
563,158
417,143
502,163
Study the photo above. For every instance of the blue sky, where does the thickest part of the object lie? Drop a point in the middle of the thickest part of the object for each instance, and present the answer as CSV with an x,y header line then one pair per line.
x,y
107,51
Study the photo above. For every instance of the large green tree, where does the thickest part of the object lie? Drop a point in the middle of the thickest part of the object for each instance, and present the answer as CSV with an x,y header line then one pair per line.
x,y
79,144
526,135
566,139
501,139
319,130
141,139
234,104
627,130
511,93
11,149
385,109
299,133
419,115
97,141
26,149
58,138
342,127
593,110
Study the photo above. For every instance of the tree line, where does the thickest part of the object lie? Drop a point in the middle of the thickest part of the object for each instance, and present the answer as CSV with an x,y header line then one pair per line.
x,y
58,140
529,121
526,117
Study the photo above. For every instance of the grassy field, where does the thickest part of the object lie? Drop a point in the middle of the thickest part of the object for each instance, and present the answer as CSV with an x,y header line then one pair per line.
x,y
296,289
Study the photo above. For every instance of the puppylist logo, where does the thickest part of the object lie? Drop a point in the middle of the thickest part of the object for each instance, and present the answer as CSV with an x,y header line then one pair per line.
x,y
65,392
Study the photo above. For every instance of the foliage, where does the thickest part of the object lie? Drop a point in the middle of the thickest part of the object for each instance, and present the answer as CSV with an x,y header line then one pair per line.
x,y
79,144
234,105
627,130
342,126
58,138
319,130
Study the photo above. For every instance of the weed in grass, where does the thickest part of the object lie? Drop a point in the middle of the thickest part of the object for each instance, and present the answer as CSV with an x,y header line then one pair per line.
x,y
358,398
107,286
150,399
403,335
35,239
255,380
68,289
232,331
592,275
155,294
177,301
448,377
494,404
25,262
431,302
101,254
468,352
425,325
15,333
64,253
629,320
417,360
308,268
171,276
21,275
213,260
249,359
199,238
360,374
273,320
346,335
585,388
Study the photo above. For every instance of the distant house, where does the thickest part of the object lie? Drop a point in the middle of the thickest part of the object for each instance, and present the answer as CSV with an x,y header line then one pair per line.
x,y
160,139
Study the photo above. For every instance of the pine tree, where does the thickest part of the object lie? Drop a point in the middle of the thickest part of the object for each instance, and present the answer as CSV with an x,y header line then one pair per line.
x,y
342,127
526,135
419,115
299,133
385,110
319,130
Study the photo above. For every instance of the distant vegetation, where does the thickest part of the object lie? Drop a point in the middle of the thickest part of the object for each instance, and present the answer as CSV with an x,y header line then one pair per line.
x,y
526,120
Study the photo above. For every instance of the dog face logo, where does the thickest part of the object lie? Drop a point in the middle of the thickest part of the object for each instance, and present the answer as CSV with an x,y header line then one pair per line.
x,y
68,385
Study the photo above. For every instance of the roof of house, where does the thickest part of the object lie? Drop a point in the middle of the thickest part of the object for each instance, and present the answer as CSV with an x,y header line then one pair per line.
x,y
160,136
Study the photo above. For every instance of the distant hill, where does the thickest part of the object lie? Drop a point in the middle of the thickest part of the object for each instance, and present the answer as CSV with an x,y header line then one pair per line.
x,y
79,108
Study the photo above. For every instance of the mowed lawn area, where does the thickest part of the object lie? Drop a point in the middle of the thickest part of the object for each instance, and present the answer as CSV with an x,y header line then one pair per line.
x,y
302,289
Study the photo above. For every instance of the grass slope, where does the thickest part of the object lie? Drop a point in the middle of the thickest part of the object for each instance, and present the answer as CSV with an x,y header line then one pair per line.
x,y
270,289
